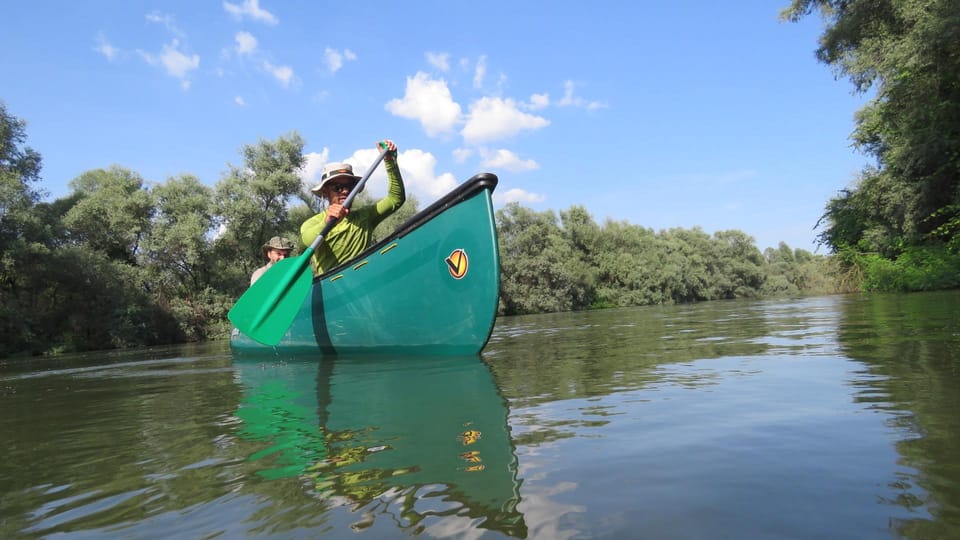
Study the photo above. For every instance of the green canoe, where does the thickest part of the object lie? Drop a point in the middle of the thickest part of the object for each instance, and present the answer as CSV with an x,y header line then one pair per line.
x,y
431,287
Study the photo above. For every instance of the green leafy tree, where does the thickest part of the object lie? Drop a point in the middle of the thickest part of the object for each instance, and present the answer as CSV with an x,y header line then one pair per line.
x,y
20,168
540,268
688,257
738,266
908,53
581,234
87,301
629,265
179,258
178,248
112,212
252,205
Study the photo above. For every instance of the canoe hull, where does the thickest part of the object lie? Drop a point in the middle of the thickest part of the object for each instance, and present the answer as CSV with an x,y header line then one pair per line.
x,y
429,288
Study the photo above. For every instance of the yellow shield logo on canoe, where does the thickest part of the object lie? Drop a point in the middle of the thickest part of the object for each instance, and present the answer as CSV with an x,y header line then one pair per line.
x,y
457,263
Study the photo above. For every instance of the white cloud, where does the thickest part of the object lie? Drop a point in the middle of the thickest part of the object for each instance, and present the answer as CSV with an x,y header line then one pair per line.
x,y
496,118
240,101
569,100
174,61
440,61
507,160
479,72
462,154
167,21
417,167
538,101
501,82
313,163
104,47
246,43
428,101
420,177
179,64
334,58
517,195
252,9
283,74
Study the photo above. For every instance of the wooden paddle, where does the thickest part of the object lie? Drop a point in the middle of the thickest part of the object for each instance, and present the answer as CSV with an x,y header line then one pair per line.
x,y
266,310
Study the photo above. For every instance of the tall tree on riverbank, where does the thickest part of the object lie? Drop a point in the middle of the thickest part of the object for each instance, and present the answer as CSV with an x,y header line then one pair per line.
x,y
252,203
19,172
112,212
908,54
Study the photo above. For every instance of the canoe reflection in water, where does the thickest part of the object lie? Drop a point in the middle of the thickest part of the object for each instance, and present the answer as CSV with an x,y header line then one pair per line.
x,y
369,433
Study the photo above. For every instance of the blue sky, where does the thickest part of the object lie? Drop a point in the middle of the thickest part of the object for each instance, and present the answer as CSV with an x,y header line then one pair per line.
x,y
663,114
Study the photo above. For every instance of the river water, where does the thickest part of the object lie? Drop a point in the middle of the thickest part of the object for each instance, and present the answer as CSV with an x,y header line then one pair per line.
x,y
828,417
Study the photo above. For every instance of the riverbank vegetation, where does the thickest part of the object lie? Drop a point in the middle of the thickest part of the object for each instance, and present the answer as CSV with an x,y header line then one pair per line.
x,y
896,228
123,262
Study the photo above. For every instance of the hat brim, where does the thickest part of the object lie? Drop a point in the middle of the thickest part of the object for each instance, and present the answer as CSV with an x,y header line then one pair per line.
x,y
268,247
318,190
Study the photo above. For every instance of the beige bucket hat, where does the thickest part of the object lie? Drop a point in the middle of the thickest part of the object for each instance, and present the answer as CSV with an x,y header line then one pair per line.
x,y
333,171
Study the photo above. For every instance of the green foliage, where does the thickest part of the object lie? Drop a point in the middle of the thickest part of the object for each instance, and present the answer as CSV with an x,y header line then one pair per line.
x,y
576,264
792,272
111,214
202,315
875,217
919,268
74,298
949,228
116,264
541,270
19,170
177,250
909,54
252,204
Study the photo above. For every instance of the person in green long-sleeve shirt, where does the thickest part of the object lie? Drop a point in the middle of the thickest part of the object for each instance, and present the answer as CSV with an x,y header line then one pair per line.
x,y
352,233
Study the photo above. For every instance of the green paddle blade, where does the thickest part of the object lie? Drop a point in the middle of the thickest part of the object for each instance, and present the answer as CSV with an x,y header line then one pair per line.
x,y
267,309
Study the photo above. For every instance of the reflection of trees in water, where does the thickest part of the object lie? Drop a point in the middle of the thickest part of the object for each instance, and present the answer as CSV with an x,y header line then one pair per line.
x,y
412,444
544,358
563,356
911,346
114,442
910,343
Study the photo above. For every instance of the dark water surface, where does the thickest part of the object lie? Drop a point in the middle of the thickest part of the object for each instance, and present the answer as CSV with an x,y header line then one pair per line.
x,y
833,417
